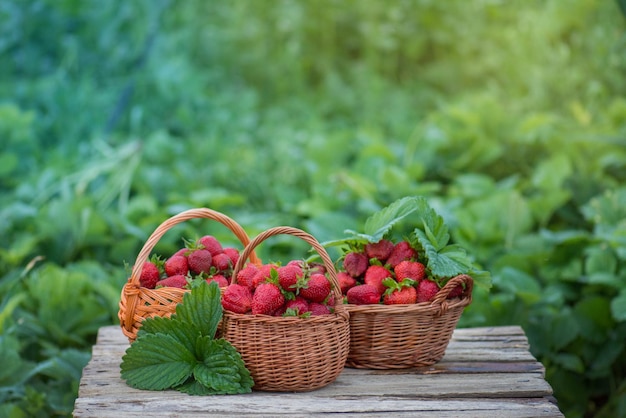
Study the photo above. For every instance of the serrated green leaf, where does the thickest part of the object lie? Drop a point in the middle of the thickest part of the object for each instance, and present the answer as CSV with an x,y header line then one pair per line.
x,y
157,362
202,308
194,388
436,232
222,369
185,333
377,225
432,224
441,265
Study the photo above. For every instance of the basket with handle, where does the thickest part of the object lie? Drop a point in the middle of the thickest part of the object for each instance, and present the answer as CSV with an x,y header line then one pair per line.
x,y
291,354
138,303
404,336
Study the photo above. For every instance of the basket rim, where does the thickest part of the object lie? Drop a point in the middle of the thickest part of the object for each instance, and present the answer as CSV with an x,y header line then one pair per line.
x,y
439,304
183,216
130,293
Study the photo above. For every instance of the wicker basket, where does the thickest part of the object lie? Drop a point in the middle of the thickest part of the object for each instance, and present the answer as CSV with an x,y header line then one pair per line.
x,y
138,303
290,354
404,336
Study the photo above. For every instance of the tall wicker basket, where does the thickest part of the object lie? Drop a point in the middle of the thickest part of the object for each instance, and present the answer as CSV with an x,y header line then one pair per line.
x,y
138,303
404,336
289,353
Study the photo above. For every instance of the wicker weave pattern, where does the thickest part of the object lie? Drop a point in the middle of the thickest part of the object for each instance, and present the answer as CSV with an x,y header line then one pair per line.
x,y
404,336
138,303
291,354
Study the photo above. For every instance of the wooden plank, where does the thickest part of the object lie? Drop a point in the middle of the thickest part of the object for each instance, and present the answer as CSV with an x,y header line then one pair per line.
x,y
297,405
352,382
486,372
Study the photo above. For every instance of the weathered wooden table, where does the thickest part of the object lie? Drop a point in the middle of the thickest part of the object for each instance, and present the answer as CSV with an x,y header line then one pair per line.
x,y
486,372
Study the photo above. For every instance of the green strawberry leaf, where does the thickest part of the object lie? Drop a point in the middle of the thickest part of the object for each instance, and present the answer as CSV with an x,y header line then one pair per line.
x,y
447,263
193,387
222,369
157,362
381,222
433,225
183,333
180,352
202,308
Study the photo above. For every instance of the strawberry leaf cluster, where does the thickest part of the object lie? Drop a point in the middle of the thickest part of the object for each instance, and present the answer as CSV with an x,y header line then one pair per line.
x,y
204,259
182,353
298,288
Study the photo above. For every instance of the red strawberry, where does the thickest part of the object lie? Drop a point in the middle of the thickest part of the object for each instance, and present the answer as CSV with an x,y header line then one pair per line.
x,y
184,252
150,275
456,292
402,295
220,279
401,251
233,254
211,244
409,270
200,261
222,262
237,298
288,276
426,290
330,301
176,264
316,289
317,268
345,281
246,274
298,263
355,263
177,280
281,311
266,299
375,275
299,306
263,274
380,250
319,309
363,294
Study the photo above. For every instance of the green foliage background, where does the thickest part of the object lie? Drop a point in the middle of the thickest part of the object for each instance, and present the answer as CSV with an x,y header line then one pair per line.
x,y
510,117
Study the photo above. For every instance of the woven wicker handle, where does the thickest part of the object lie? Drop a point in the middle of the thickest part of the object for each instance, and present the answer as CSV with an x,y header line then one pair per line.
x,y
288,230
143,255
442,295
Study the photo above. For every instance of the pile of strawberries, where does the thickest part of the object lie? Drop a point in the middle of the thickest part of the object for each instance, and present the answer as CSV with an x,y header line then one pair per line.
x,y
294,289
387,273
204,259
374,273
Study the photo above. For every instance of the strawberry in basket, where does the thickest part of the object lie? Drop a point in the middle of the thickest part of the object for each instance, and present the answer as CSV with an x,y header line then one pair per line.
x,y
297,288
203,259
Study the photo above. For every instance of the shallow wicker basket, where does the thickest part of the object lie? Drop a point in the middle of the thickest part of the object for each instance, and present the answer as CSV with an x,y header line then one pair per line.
x,y
290,354
138,303
404,336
